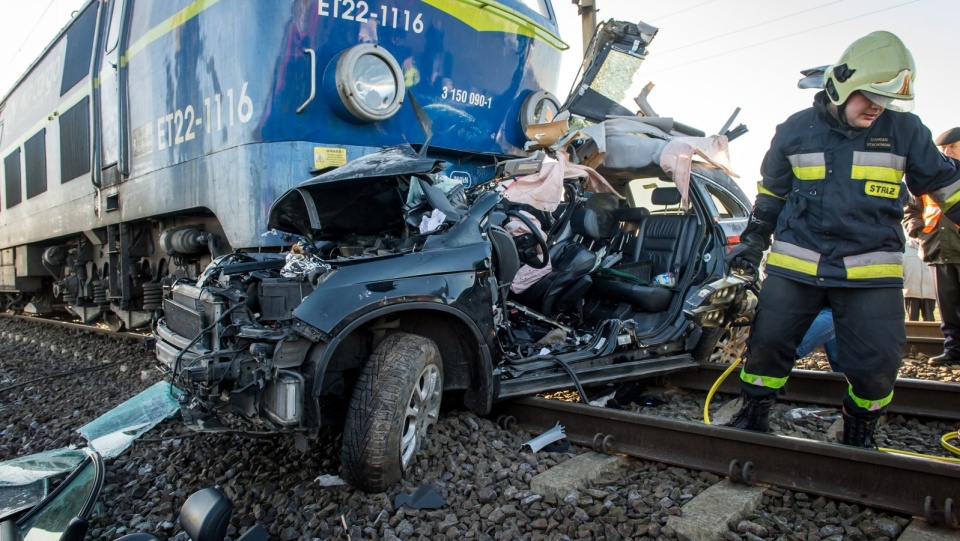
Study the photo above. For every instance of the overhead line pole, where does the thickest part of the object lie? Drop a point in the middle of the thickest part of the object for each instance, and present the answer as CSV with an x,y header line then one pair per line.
x,y
588,17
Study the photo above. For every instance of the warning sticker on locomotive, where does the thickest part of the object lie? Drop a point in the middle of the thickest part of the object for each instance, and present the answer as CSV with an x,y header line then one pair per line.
x,y
143,140
324,157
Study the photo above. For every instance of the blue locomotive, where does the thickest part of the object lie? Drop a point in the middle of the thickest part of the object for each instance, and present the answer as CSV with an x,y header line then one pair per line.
x,y
152,136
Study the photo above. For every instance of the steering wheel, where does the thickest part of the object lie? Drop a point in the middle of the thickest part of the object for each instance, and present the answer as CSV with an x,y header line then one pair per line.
x,y
529,255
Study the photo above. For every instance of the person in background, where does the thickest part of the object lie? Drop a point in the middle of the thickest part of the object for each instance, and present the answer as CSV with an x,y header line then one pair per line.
x,y
919,296
925,219
821,333
832,200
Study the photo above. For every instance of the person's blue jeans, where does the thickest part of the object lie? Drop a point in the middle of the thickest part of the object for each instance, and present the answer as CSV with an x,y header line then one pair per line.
x,y
821,332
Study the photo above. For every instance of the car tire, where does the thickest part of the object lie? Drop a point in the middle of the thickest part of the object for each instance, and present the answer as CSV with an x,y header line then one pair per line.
x,y
396,399
721,344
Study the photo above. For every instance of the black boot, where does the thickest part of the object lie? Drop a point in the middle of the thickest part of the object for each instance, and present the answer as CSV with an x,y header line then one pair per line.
x,y
945,358
858,431
754,414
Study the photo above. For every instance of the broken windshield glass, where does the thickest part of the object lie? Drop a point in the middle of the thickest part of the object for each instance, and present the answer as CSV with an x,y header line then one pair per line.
x,y
114,431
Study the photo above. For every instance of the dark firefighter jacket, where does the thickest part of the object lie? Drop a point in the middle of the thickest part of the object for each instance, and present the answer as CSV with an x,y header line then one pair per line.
x,y
939,240
838,197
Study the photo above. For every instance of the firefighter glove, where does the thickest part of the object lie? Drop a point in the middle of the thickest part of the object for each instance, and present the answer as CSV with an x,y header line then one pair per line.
x,y
747,254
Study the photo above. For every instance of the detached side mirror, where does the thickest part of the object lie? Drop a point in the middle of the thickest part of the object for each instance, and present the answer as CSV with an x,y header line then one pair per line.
x,y
205,515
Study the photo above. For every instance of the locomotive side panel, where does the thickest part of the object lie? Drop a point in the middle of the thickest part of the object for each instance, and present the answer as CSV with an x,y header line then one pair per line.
x,y
202,112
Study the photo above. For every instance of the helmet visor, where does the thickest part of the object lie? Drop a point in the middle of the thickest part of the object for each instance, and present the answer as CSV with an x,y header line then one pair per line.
x,y
895,94
894,104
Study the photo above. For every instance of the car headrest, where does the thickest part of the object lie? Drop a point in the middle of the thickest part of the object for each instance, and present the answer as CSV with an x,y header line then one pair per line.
x,y
635,214
584,222
604,205
667,195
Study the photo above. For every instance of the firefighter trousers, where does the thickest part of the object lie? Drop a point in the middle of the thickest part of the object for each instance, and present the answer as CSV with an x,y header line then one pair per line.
x,y
870,334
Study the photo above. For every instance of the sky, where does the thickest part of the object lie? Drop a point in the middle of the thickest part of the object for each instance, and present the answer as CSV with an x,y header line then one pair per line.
x,y
712,56
709,57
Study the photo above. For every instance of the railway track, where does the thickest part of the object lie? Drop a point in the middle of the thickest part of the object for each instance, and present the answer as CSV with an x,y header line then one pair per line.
x,y
923,337
901,484
914,397
144,336
897,483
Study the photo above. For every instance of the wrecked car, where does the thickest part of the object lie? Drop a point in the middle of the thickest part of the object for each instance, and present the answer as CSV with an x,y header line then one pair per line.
x,y
404,289
369,322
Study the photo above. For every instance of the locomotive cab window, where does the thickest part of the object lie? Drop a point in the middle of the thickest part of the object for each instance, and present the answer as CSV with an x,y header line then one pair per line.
x,y
35,163
113,35
76,64
537,6
11,173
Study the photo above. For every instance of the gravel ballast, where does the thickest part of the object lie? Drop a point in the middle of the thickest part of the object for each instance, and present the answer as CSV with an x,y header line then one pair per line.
x,y
475,465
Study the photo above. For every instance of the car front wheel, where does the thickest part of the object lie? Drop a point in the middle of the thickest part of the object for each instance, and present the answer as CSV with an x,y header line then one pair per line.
x,y
396,399
721,344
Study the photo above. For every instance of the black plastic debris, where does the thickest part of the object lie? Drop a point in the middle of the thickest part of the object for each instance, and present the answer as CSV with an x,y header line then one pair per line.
x,y
425,497
651,401
558,446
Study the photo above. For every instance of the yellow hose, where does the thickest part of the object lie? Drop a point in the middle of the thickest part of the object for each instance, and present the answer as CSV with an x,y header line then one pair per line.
x,y
945,440
713,390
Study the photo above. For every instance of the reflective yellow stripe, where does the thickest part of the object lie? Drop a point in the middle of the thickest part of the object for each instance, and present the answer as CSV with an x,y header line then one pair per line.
x,y
950,201
811,166
490,16
764,191
875,271
879,166
762,381
164,28
874,265
792,263
869,405
793,257
817,172
874,172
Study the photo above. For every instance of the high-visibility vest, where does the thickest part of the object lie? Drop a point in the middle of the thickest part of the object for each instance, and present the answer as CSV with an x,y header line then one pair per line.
x,y
931,213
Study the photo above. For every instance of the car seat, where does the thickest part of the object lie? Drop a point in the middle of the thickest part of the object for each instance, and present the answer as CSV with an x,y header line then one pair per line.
x,y
572,262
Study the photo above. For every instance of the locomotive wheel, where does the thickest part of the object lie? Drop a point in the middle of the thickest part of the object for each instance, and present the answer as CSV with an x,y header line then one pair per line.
x,y
396,399
113,321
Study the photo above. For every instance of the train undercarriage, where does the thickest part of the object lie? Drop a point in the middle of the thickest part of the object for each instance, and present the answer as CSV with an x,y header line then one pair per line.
x,y
111,276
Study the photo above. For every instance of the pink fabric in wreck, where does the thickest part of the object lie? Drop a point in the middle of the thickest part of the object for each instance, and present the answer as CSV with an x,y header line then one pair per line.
x,y
544,190
676,159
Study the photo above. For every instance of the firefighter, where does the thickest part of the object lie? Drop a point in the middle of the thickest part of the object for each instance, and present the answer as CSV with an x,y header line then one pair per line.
x,y
831,199
940,248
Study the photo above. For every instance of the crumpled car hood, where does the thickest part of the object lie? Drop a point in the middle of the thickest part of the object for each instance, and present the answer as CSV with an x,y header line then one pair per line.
x,y
362,197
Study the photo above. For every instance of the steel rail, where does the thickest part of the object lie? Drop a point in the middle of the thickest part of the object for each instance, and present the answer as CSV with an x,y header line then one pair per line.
x,y
914,397
923,337
145,337
896,483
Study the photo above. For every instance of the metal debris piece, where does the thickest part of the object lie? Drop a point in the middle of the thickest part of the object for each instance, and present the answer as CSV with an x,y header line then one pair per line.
x,y
327,480
554,434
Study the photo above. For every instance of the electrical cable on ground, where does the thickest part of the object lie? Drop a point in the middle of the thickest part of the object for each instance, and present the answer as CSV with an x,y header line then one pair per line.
x,y
59,375
945,440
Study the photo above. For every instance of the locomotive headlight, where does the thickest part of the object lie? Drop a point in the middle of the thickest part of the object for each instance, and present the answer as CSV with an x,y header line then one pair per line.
x,y
369,82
